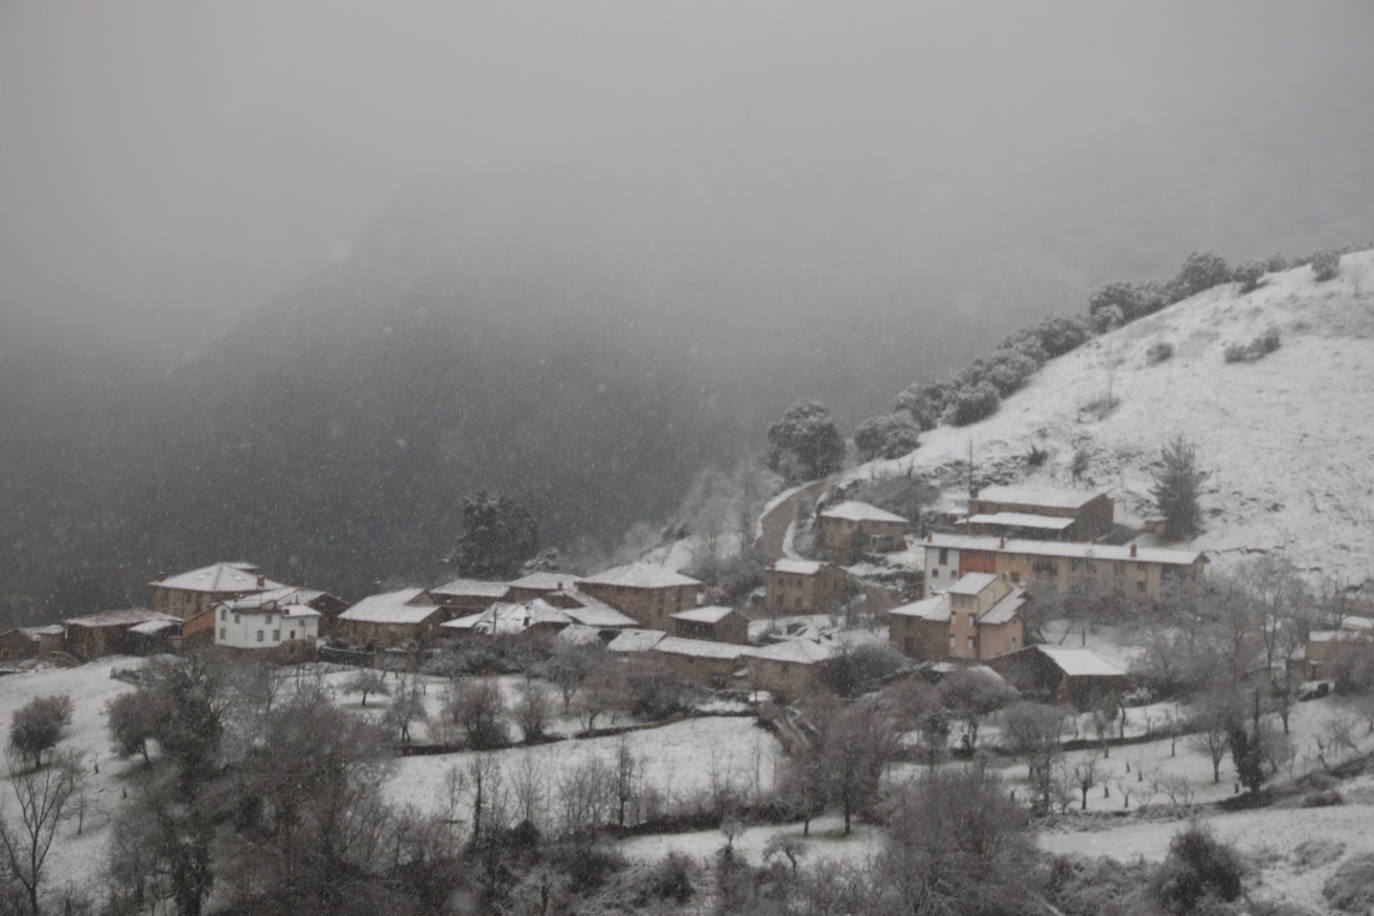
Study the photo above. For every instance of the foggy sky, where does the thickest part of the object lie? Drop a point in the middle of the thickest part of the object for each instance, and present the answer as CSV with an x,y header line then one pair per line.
x,y
168,166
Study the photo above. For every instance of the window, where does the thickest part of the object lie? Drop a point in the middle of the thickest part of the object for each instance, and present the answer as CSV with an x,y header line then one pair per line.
x,y
1140,585
290,634
259,635
223,614
1120,568
971,621
221,633
944,556
951,642
935,574
269,620
970,643
236,618
276,635
910,645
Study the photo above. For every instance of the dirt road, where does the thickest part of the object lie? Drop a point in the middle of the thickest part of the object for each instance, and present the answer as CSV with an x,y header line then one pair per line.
x,y
774,523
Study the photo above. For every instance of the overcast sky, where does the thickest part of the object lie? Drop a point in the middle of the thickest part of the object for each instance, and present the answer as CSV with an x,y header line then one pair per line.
x,y
181,162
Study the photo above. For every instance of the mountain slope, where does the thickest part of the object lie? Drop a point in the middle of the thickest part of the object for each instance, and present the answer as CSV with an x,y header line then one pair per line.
x,y
1287,439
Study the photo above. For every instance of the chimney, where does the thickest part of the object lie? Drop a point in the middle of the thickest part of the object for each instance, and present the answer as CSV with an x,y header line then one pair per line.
x,y
262,582
162,577
1133,550
930,536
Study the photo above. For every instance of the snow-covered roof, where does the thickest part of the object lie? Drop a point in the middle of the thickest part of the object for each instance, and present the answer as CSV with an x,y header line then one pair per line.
x,y
218,577
1063,549
580,635
1341,635
855,511
472,588
1021,520
273,599
150,627
1052,497
641,575
936,609
390,607
295,611
799,567
701,648
1356,622
1077,662
797,651
33,633
713,614
543,581
972,583
594,612
636,640
504,617
1006,609
123,618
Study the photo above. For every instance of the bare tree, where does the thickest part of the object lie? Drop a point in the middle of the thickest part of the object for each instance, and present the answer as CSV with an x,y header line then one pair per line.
x,y
43,795
533,710
1032,732
1209,724
406,709
972,695
1085,775
857,746
132,719
367,682
478,706
602,692
627,773
38,725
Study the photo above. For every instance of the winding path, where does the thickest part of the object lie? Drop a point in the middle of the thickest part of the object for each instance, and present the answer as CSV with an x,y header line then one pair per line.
x,y
773,523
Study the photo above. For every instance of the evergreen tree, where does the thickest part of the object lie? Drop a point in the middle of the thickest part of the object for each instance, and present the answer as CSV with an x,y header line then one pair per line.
x,y
499,535
1176,489
804,444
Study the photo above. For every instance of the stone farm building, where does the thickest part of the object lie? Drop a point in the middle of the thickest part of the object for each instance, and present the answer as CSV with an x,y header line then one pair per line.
x,y
648,593
390,619
1325,647
721,624
116,632
850,528
467,596
1127,570
1063,674
1042,513
30,642
803,587
788,669
977,618
712,664
190,593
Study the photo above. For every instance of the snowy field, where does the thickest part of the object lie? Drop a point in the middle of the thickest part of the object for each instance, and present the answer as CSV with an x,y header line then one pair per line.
x,y
1288,458
826,842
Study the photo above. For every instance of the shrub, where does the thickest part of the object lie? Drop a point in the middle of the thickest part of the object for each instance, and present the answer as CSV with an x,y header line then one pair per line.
x,y
1198,866
1201,270
671,878
1249,275
1175,489
1108,319
804,444
973,403
1028,345
38,725
1326,265
1159,352
888,436
1261,346
1276,263
1079,466
1130,299
925,402
1059,334
1351,888
1009,369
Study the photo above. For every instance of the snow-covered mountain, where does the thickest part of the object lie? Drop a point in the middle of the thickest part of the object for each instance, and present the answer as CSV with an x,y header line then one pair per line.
x,y
1288,439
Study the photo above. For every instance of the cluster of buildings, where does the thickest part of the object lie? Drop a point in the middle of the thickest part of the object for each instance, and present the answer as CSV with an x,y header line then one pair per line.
x,y
972,608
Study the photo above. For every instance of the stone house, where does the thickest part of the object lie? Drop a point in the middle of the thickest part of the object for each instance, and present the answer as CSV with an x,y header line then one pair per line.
x,y
1125,570
468,596
1044,513
648,593
109,632
977,618
848,529
537,585
720,624
30,642
190,593
389,619
803,587
788,669
1324,647
1062,674
711,664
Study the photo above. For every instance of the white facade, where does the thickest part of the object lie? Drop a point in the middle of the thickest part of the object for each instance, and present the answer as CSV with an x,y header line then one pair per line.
x,y
942,569
265,628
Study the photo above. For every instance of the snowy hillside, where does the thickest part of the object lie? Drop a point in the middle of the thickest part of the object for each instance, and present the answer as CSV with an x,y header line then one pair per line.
x,y
1288,439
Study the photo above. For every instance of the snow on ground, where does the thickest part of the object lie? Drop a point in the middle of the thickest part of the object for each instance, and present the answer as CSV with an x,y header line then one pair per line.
x,y
826,841
75,861
1286,438
685,553
789,538
1120,645
679,759
777,500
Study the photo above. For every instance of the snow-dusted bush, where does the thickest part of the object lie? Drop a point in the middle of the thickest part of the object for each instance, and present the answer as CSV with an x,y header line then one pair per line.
x,y
804,444
1201,270
1107,319
889,436
926,402
1059,334
972,404
1198,866
1326,265
1351,888
1159,352
1131,299
1008,370
1027,344
1249,275
1275,263
1261,346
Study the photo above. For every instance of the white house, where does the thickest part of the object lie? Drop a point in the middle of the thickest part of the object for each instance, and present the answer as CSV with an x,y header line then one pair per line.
x,y
266,625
